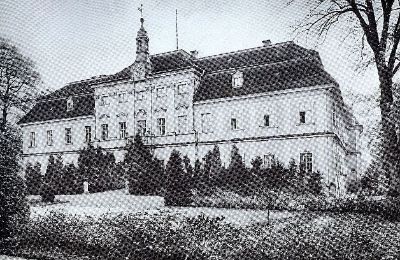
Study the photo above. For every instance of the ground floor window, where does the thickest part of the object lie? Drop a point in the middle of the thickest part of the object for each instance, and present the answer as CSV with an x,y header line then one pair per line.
x,y
268,160
88,134
49,137
161,126
306,162
104,132
32,139
68,135
122,130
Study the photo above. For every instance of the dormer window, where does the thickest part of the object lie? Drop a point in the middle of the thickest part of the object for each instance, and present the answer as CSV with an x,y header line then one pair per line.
x,y
237,79
70,104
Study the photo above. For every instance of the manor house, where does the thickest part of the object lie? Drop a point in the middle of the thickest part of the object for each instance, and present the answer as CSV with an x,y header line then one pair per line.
x,y
275,101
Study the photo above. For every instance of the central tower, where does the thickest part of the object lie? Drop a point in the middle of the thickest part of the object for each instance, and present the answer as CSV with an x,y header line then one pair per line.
x,y
142,65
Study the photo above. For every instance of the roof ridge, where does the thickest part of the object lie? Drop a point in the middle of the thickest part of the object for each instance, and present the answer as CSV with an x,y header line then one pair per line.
x,y
247,50
170,52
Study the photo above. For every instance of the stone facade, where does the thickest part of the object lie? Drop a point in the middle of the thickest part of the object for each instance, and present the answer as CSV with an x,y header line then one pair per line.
x,y
178,101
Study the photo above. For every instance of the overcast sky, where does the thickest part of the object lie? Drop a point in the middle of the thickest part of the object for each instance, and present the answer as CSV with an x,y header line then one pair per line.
x,y
73,40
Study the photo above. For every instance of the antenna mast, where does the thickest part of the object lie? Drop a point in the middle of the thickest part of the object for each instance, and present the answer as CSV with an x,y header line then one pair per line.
x,y
176,28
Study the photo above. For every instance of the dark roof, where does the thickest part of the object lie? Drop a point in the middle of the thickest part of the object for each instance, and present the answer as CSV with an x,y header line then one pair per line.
x,y
57,109
265,78
275,67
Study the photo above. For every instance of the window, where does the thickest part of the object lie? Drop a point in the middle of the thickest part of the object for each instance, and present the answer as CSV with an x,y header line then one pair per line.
x,y
206,123
237,79
234,124
141,127
182,88
268,160
70,104
88,134
182,124
104,132
161,126
306,162
161,92
104,100
49,137
122,97
32,139
140,95
122,130
302,117
68,135
266,120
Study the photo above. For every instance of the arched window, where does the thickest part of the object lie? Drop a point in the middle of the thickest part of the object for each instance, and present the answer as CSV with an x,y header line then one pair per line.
x,y
70,104
237,79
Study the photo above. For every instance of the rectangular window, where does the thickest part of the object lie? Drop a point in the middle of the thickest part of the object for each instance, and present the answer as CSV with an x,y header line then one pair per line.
x,y
182,89
122,97
88,134
182,124
161,92
302,117
104,100
266,120
68,135
140,95
268,160
206,123
104,132
122,130
161,126
306,162
49,137
141,127
32,139
234,124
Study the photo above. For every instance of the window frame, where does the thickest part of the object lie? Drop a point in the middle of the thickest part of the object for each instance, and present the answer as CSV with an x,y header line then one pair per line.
x,y
206,123
122,130
237,79
123,99
32,139
185,125
302,117
306,162
268,160
161,128
161,92
68,135
267,120
104,100
140,129
70,104
185,88
234,124
49,137
104,132
88,134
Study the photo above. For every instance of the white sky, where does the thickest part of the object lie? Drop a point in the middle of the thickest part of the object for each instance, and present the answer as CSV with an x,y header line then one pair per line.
x,y
77,39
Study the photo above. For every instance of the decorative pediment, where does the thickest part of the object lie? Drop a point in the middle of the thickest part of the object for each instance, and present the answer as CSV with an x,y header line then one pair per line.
x,y
122,114
182,106
103,116
160,110
141,112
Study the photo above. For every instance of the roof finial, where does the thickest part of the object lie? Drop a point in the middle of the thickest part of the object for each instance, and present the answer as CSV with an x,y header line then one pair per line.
x,y
176,29
141,13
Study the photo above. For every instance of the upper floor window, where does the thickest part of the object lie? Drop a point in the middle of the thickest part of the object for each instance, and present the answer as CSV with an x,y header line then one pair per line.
x,y
104,100
302,117
206,123
88,134
104,132
122,130
266,120
141,127
161,126
234,124
161,92
306,162
32,139
49,137
237,79
68,135
268,160
140,95
122,97
70,104
182,124
182,88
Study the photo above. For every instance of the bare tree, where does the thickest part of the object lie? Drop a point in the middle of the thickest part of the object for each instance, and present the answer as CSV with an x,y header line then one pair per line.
x,y
18,81
376,26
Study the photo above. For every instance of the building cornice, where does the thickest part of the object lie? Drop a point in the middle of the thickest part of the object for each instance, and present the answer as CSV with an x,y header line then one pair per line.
x,y
57,120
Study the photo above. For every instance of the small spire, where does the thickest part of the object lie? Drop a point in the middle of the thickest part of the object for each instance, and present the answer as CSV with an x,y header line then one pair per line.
x,y
141,14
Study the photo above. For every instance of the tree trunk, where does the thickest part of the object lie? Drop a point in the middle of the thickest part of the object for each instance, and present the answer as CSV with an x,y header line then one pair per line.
x,y
4,119
390,149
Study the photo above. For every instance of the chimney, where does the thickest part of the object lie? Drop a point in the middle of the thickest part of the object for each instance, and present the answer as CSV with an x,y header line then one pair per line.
x,y
266,43
194,53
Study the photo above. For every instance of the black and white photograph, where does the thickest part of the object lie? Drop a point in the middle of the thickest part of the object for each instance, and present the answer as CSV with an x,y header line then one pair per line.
x,y
212,129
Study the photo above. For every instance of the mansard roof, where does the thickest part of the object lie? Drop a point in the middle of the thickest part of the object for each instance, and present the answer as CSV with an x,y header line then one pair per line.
x,y
268,68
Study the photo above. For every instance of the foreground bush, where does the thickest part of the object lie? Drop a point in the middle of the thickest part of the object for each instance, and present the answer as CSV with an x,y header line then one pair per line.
x,y
168,236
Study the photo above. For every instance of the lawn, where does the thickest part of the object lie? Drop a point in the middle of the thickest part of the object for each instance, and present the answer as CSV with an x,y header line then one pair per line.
x,y
115,225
